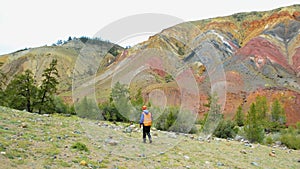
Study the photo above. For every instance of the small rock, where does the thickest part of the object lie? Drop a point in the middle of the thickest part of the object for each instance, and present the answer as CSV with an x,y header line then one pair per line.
x,y
187,166
207,162
100,161
299,161
127,130
248,145
161,153
186,157
254,163
172,135
272,154
83,163
278,143
3,153
192,137
46,115
220,164
142,155
24,125
243,152
77,132
273,151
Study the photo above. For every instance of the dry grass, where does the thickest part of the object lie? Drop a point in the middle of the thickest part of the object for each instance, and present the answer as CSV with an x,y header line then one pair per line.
x,y
46,142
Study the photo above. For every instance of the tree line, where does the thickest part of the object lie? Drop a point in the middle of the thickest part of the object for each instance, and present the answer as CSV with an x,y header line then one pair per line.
x,y
24,93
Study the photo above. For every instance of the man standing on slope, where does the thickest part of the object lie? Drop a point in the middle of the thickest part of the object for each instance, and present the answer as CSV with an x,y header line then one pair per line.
x,y
146,121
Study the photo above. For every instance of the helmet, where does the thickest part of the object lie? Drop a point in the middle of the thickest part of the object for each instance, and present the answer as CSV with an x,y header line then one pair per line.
x,y
144,107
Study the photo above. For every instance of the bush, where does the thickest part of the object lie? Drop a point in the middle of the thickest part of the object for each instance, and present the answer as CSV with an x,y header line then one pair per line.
x,y
167,119
290,138
87,108
111,113
80,146
172,120
226,129
291,141
269,140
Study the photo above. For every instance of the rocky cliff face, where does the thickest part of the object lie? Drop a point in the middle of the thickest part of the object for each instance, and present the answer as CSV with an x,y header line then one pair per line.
x,y
248,52
239,56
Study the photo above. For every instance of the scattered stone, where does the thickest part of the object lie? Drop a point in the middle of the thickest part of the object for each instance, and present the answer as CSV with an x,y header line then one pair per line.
x,y
83,163
207,162
272,154
187,166
243,151
100,161
254,163
273,151
299,161
161,153
172,135
248,145
46,115
220,164
3,153
278,143
142,155
200,139
186,157
111,141
6,128
192,137
127,130
24,125
238,138
77,132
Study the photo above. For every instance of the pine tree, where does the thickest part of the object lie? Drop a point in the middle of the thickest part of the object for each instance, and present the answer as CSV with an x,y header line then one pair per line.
x,y
261,107
48,87
21,92
214,116
253,127
239,117
277,112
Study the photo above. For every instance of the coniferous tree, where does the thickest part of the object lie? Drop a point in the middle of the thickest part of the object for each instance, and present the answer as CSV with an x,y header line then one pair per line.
x,y
261,107
21,92
48,87
239,117
253,128
277,112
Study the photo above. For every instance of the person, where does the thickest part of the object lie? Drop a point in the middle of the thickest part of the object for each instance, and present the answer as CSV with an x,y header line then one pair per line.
x,y
146,121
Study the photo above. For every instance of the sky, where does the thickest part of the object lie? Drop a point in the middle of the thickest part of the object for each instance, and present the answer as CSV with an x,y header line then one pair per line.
x,y
34,23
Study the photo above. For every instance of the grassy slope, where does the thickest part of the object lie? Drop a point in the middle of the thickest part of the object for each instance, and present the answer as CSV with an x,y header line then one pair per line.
x,y
45,142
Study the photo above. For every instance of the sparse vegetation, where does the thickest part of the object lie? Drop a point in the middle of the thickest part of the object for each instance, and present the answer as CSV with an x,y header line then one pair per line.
x,y
80,146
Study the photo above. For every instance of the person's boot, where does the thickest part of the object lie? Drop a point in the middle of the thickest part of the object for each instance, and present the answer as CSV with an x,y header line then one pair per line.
x,y
150,139
144,140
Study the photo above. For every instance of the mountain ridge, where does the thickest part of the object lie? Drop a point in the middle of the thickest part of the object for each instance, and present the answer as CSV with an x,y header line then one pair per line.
x,y
256,50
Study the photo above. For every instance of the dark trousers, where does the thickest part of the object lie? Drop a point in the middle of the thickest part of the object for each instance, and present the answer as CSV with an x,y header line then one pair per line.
x,y
146,131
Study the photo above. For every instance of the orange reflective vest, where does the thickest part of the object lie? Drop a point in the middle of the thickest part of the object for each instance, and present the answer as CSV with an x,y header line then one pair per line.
x,y
147,119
